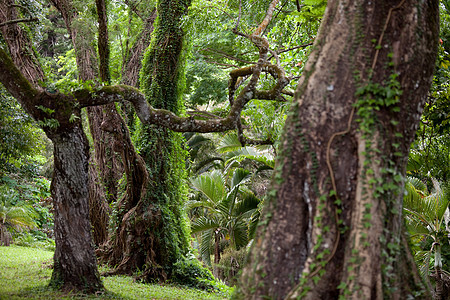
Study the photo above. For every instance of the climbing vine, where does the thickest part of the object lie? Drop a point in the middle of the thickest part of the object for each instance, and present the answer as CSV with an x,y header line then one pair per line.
x,y
162,81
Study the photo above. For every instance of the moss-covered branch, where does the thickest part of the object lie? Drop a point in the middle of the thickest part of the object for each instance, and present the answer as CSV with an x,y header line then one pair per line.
x,y
149,115
16,84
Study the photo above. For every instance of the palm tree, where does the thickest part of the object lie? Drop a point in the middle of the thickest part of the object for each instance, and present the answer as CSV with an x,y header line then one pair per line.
x,y
426,216
228,209
14,218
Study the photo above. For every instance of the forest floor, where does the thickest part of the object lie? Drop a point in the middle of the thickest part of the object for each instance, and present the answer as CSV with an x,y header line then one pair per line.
x,y
25,274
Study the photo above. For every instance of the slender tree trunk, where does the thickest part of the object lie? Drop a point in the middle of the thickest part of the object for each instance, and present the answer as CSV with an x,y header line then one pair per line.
x,y
99,211
439,283
133,63
217,271
332,225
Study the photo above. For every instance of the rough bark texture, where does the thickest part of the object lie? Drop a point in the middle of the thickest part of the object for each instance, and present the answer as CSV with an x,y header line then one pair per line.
x,y
74,260
332,223
133,63
118,251
99,211
105,160
75,266
103,41
19,45
152,234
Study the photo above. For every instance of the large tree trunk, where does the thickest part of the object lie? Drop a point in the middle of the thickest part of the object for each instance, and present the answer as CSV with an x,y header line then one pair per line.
x,y
75,266
106,162
153,235
332,224
74,260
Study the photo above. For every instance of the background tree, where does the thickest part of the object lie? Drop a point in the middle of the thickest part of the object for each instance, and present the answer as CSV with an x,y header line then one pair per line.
x,y
160,205
59,114
334,208
228,211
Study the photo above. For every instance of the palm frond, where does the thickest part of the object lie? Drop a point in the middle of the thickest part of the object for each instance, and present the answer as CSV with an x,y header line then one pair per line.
x,y
428,206
192,204
204,224
240,235
417,224
238,155
423,262
415,161
436,204
17,217
205,245
240,176
249,202
229,142
196,141
208,163
254,220
211,184
418,184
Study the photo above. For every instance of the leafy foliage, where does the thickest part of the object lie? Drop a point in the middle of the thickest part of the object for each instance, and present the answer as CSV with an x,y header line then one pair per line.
x,y
205,84
20,137
427,217
227,210
14,219
31,198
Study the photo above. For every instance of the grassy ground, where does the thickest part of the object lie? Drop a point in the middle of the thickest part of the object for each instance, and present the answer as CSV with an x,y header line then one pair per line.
x,y
25,273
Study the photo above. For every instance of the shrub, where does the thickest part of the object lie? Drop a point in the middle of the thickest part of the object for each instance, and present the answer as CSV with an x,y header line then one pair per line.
x,y
190,272
231,263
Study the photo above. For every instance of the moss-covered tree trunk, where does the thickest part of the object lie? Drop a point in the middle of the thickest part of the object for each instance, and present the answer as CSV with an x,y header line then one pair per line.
x,y
153,235
332,225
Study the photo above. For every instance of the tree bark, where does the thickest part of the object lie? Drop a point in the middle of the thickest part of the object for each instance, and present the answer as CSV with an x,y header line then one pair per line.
x,y
19,45
106,161
332,223
99,211
217,270
133,64
75,265
152,235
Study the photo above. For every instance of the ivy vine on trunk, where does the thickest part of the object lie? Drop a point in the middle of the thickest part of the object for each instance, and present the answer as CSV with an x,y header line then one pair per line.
x,y
334,209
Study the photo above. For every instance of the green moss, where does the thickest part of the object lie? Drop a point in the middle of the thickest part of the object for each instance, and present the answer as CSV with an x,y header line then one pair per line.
x,y
162,80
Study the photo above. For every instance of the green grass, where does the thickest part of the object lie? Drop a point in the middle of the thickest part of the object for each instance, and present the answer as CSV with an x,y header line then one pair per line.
x,y
25,273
